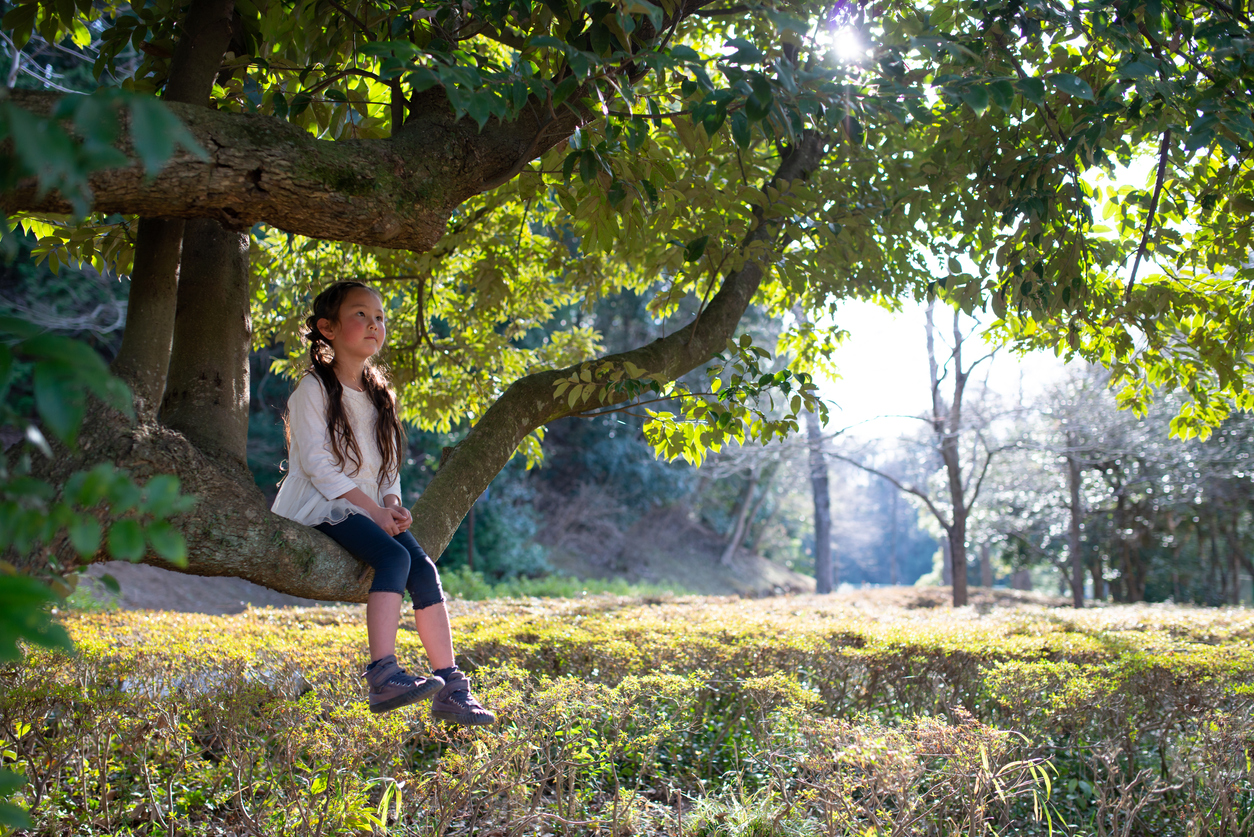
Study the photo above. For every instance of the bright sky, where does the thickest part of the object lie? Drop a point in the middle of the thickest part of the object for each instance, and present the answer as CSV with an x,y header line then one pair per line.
x,y
883,368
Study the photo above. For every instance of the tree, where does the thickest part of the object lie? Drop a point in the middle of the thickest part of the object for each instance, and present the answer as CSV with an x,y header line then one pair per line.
x,y
958,436
491,162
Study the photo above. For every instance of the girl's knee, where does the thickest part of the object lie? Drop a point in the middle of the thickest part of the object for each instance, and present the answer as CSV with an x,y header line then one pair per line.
x,y
424,583
391,569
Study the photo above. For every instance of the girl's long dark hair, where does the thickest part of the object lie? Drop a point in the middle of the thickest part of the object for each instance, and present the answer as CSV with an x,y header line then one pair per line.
x,y
388,431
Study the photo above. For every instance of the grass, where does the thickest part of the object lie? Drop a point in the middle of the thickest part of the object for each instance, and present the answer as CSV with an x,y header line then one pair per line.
x,y
866,714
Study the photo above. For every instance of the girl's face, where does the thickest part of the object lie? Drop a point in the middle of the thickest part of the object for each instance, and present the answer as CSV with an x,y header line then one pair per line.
x,y
360,328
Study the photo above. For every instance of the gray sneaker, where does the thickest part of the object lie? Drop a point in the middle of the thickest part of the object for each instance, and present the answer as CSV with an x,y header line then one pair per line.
x,y
456,705
391,687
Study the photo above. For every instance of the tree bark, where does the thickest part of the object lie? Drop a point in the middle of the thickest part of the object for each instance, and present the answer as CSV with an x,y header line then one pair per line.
x,y
764,488
986,566
397,192
144,358
947,425
824,572
207,389
1099,576
1073,528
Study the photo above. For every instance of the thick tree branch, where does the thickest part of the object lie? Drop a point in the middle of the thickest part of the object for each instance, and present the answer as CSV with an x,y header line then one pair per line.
x,y
397,192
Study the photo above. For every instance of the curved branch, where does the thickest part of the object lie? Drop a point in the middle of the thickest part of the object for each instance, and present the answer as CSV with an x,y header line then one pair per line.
x,y
530,403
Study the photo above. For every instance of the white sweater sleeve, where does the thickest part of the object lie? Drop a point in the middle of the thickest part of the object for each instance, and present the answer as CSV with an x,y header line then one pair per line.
x,y
307,421
394,487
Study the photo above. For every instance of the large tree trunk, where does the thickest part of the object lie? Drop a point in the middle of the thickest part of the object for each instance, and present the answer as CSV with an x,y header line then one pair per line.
x,y
144,356
206,395
1073,528
824,572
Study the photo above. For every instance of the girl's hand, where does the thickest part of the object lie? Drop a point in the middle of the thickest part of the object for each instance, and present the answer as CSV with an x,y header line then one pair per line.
x,y
386,520
402,517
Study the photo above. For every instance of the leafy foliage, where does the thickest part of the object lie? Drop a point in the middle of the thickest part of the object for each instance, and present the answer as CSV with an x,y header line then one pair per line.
x,y
976,131
62,374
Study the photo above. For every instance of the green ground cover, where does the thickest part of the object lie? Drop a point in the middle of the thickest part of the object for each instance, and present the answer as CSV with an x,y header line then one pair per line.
x,y
622,715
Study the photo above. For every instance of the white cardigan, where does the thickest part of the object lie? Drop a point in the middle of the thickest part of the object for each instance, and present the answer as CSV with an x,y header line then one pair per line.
x,y
311,491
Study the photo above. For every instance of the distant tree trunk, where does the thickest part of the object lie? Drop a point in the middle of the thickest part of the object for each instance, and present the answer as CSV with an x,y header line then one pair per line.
x,y
824,576
947,562
1021,580
1073,529
1099,576
742,517
764,488
986,566
893,575
947,424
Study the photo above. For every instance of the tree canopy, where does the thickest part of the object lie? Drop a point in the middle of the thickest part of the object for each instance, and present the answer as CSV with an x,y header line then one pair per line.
x,y
487,164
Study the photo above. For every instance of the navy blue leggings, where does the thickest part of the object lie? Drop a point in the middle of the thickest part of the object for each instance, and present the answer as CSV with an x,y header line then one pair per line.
x,y
399,562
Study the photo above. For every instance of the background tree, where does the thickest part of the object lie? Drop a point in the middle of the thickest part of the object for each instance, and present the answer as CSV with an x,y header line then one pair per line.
x,y
961,433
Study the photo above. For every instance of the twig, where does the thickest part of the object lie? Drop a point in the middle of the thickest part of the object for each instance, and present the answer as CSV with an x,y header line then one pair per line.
x,y
365,31
1153,209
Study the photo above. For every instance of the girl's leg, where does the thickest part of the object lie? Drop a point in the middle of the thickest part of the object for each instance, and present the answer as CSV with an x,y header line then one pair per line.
x,y
436,635
383,612
430,613
454,702
391,562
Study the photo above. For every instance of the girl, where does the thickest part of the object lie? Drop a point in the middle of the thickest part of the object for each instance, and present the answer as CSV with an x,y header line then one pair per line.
x,y
345,444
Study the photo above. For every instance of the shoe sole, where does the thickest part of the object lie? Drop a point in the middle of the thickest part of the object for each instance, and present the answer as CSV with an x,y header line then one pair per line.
x,y
424,691
466,720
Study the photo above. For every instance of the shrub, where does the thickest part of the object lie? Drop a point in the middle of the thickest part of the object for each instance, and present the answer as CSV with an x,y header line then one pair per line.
x,y
620,716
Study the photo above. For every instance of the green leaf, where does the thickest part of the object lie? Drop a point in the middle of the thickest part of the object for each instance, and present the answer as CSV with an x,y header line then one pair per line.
x,y
1071,85
85,535
564,89
1002,93
1138,69
20,21
746,52
740,129
976,97
156,132
59,402
24,615
1032,89
162,498
696,248
110,583
126,540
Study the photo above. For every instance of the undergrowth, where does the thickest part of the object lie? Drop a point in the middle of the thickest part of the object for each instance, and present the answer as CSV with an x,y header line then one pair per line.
x,y
618,716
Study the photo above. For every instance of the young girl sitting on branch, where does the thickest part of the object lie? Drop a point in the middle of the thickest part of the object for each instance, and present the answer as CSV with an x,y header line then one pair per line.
x,y
345,445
